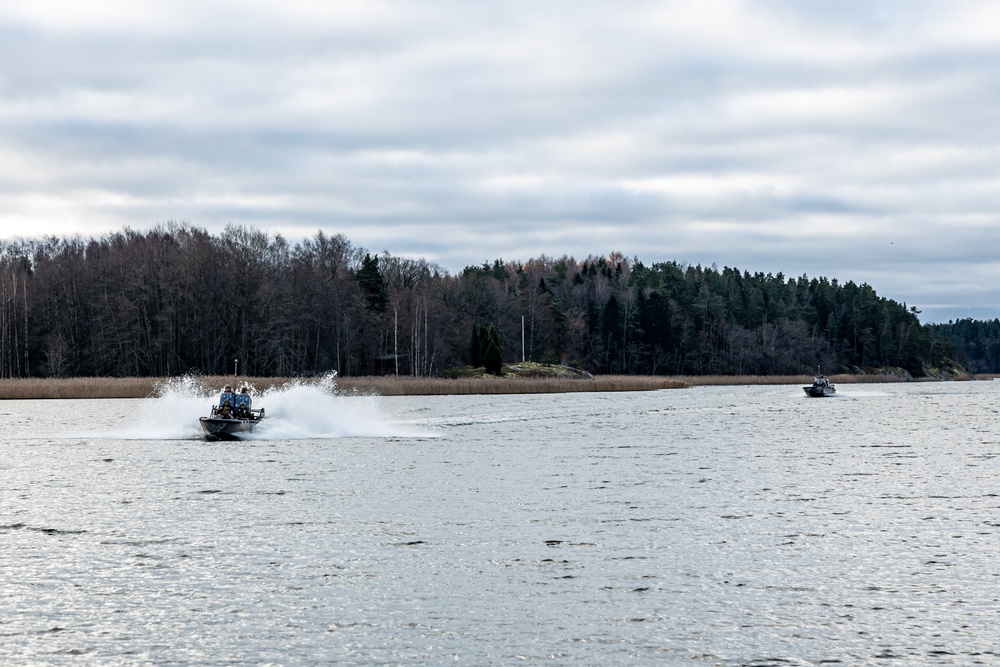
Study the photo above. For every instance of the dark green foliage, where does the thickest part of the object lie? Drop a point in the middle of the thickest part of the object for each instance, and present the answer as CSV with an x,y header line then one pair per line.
x,y
486,349
974,343
498,271
493,351
549,357
654,322
613,334
372,284
559,330
177,299
475,347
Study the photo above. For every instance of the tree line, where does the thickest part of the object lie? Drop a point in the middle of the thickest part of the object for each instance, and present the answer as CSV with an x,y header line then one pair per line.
x,y
973,343
177,299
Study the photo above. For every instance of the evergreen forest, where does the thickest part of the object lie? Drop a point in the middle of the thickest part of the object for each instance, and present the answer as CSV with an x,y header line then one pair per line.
x,y
177,299
975,343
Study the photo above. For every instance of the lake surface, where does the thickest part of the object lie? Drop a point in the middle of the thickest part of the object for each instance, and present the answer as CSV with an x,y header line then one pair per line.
x,y
706,526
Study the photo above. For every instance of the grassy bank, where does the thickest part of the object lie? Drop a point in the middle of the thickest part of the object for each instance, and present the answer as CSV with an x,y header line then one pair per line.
x,y
76,388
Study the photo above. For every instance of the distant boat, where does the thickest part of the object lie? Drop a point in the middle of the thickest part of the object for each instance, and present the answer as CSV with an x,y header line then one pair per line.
x,y
232,415
821,387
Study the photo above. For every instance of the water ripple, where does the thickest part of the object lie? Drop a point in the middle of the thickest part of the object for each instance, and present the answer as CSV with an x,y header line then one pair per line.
x,y
719,526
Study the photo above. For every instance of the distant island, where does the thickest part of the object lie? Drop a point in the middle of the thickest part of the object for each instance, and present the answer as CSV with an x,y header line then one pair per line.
x,y
177,299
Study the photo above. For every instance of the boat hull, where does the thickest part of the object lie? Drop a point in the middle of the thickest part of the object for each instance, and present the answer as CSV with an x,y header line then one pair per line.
x,y
819,392
226,429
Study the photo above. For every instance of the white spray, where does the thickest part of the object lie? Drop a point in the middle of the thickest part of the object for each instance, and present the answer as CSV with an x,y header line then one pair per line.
x,y
295,411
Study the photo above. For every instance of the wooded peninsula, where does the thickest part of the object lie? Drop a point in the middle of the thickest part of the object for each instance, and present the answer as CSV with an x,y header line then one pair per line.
x,y
178,300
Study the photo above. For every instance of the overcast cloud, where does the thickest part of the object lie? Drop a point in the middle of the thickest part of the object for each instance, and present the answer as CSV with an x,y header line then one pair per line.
x,y
855,140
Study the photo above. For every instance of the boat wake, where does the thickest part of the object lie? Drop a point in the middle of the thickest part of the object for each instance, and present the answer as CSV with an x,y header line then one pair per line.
x,y
295,411
862,393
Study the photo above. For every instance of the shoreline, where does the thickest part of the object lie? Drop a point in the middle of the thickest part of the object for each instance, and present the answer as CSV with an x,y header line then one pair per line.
x,y
87,388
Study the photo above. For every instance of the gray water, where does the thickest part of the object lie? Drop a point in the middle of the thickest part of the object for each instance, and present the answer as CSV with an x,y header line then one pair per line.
x,y
706,526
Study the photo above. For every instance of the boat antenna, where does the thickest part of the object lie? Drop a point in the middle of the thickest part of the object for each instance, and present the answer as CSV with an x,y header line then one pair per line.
x,y
236,365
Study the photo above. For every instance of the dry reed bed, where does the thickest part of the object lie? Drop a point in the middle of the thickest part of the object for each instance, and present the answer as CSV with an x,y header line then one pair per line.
x,y
70,388
36,388
76,388
30,388
846,378
415,386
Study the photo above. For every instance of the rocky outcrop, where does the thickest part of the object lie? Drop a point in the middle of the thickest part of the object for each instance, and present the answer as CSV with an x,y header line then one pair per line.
x,y
948,370
524,369
533,369
887,371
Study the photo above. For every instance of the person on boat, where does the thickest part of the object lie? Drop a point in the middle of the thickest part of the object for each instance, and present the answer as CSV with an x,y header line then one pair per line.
x,y
242,401
226,410
227,395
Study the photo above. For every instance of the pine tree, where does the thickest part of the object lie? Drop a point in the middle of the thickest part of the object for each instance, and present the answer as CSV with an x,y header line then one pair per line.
x,y
475,347
493,356
372,284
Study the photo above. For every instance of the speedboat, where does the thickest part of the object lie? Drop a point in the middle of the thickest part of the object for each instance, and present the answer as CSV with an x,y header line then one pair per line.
x,y
232,415
820,387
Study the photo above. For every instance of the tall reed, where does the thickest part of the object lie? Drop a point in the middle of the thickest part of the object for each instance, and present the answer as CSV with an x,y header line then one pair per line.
x,y
32,388
76,388
846,378
70,388
418,386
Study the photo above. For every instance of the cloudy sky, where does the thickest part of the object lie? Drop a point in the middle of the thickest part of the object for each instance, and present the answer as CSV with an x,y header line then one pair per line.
x,y
855,139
